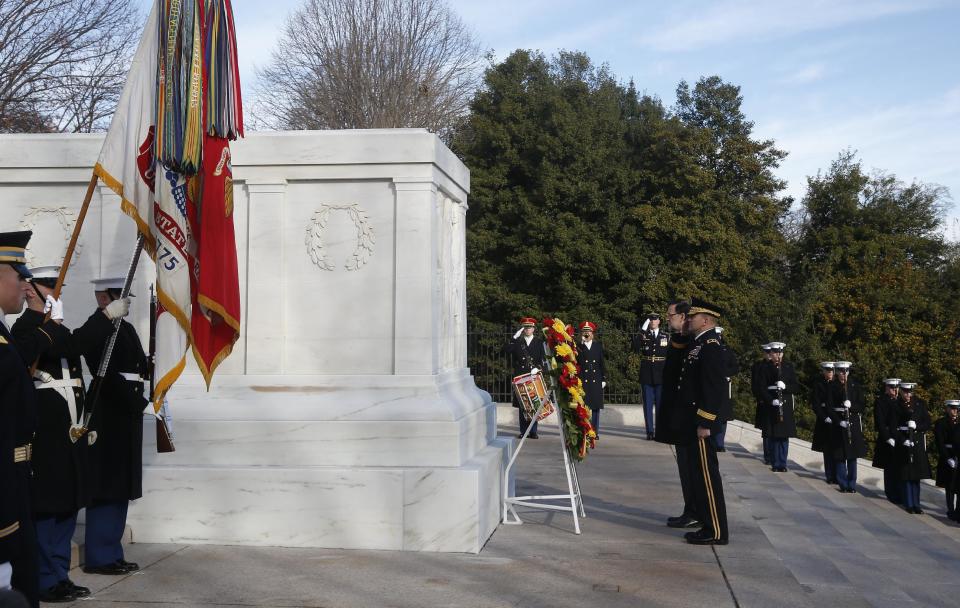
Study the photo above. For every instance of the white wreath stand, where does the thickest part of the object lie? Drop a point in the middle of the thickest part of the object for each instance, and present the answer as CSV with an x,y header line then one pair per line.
x,y
575,508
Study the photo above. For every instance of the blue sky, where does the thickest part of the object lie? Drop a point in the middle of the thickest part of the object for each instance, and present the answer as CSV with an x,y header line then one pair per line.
x,y
817,76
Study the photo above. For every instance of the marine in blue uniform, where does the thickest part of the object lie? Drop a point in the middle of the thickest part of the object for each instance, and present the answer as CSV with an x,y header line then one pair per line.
x,y
908,423
115,457
593,371
819,398
526,352
705,404
759,391
18,541
59,450
670,427
946,432
652,344
846,441
780,384
885,444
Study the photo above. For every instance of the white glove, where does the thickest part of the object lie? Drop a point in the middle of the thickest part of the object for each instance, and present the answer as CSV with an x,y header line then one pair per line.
x,y
911,424
781,385
517,335
54,307
603,384
6,572
892,442
846,404
645,325
776,403
718,329
952,463
907,443
828,420
121,308
43,376
844,424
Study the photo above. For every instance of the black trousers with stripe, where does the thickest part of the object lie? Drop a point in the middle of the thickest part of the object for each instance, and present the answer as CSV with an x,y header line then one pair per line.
x,y
687,468
708,490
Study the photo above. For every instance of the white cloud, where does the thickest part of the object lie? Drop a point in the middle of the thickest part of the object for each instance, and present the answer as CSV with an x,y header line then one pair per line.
x,y
805,75
744,20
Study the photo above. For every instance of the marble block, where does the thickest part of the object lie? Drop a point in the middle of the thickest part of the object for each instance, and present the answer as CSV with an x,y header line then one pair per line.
x,y
346,415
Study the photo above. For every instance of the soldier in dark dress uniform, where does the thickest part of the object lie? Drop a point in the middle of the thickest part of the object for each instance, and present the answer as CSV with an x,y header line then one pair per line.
x,y
704,405
115,457
652,344
759,391
821,428
780,384
884,447
18,540
846,426
526,351
946,431
59,451
908,422
593,371
670,427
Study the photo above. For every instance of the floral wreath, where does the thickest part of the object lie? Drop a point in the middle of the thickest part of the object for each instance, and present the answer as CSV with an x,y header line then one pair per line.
x,y
365,237
565,371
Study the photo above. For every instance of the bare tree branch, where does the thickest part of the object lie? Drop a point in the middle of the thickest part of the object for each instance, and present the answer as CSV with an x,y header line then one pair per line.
x,y
63,62
354,64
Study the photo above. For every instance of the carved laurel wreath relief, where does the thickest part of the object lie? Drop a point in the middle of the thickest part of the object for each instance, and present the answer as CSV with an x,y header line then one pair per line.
x,y
316,246
63,215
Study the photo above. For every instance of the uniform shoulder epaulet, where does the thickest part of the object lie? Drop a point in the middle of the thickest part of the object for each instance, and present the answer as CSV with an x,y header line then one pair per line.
x,y
3,340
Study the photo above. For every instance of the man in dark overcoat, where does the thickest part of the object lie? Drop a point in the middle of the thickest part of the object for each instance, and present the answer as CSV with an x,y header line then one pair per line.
x,y
780,385
526,352
820,397
846,426
946,432
908,425
593,371
885,444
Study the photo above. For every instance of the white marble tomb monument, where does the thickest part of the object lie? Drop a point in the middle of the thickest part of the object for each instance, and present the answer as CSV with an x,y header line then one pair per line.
x,y
346,415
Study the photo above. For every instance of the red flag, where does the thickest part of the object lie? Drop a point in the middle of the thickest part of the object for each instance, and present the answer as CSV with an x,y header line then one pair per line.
x,y
215,321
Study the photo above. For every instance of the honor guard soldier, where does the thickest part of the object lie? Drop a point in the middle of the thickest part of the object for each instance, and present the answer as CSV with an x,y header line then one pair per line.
x,y
884,448
781,385
652,344
526,350
759,389
947,434
908,423
705,401
18,540
821,427
671,424
846,426
59,448
115,457
593,371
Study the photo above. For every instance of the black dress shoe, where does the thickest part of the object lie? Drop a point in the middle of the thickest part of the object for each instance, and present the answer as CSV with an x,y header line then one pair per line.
x,y
59,593
77,589
701,538
649,436
534,436
130,566
109,569
721,449
684,522
832,482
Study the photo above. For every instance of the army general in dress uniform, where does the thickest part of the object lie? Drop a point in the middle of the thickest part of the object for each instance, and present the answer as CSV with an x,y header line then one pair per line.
x,y
116,459
593,371
526,352
652,344
18,540
704,401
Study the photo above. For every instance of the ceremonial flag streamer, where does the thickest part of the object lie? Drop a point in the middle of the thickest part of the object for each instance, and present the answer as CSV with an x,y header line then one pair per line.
x,y
167,155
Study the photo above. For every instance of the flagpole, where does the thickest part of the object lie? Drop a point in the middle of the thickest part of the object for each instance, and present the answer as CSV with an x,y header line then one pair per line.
x,y
71,247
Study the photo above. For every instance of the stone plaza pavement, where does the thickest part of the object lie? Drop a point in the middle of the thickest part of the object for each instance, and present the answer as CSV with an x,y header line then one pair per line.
x,y
795,541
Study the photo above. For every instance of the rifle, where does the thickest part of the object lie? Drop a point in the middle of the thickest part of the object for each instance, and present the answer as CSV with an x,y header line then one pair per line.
x,y
164,440
910,433
846,413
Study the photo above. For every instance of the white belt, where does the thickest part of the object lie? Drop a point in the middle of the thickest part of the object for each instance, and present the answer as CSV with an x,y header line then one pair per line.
x,y
903,428
65,388
71,383
132,377
948,446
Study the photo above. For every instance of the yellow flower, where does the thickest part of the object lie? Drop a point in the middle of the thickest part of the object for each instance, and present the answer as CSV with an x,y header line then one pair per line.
x,y
564,350
572,368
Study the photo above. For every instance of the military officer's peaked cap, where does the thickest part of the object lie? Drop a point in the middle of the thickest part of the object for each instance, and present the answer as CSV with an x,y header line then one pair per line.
x,y
525,321
105,283
766,347
588,326
13,250
892,382
827,365
952,403
842,366
698,306
777,347
653,316
45,275
907,386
